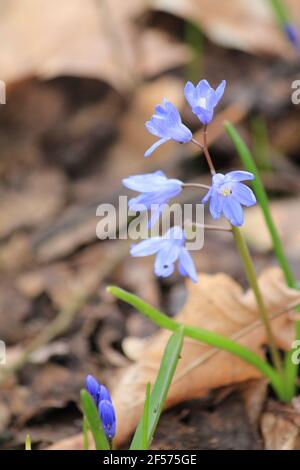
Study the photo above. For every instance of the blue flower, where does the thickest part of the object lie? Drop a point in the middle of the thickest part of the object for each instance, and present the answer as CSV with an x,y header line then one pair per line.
x,y
102,400
227,194
93,388
293,35
107,414
167,125
168,249
203,99
156,191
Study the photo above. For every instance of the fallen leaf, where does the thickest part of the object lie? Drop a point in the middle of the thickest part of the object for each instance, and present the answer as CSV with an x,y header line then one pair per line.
x,y
25,206
280,426
91,38
216,303
62,281
231,24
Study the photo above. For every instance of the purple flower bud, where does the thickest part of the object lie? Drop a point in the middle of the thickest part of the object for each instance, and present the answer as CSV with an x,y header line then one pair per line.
x,y
102,399
107,414
293,35
93,388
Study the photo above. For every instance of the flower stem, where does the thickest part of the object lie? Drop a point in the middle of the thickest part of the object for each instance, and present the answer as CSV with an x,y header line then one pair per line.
x,y
251,276
195,185
206,152
204,147
218,228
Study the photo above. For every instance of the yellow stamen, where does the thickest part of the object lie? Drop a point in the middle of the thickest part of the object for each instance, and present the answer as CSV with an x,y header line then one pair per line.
x,y
226,191
202,102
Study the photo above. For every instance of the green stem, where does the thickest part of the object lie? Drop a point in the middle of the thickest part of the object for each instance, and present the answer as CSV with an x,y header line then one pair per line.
x,y
204,336
280,11
249,164
252,279
262,197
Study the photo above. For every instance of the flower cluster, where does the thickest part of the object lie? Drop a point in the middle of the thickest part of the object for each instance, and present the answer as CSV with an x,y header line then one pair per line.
x,y
226,195
102,400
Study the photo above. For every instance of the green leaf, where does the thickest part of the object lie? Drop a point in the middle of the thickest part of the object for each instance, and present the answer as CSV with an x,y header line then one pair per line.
x,y
201,335
94,422
261,195
281,12
28,442
263,201
85,432
146,418
159,393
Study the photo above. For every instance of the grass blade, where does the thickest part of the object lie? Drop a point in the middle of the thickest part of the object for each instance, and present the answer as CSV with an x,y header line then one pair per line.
x,y
201,335
146,418
94,422
85,432
249,164
262,198
28,442
159,393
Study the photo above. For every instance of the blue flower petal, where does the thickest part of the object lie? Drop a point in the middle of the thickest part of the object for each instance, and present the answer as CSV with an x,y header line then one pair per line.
x,y
186,265
108,418
147,247
238,176
165,259
175,235
166,123
144,183
189,93
155,214
104,393
203,99
233,211
219,92
244,194
155,146
216,204
204,115
205,199
93,387
203,89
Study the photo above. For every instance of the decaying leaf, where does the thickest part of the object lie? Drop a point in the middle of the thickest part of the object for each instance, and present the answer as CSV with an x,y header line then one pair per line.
x,y
280,427
25,206
90,38
233,23
216,303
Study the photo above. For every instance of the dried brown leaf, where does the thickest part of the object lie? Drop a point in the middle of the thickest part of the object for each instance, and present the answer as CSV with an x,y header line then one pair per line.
x,y
233,23
216,303
34,203
280,426
91,38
